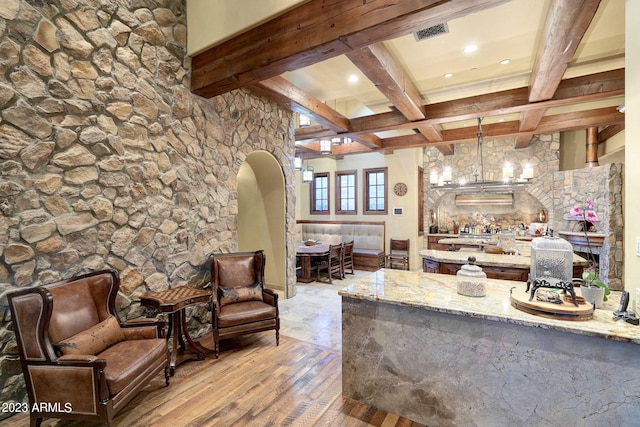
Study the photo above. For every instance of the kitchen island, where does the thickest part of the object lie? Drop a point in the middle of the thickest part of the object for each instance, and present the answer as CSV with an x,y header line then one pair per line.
x,y
496,266
414,347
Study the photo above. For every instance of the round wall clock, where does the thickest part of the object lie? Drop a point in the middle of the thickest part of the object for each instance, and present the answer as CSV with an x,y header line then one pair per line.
x,y
400,189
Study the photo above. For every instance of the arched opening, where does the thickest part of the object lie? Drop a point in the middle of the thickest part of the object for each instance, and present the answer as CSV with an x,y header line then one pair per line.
x,y
262,213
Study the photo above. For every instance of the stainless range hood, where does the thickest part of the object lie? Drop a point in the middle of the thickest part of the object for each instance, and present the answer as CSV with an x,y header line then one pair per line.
x,y
485,199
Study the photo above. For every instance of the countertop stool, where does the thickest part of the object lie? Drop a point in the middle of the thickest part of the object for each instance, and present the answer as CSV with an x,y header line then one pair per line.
x,y
174,301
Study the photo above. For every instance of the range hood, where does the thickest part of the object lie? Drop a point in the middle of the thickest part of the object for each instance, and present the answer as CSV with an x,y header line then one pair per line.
x,y
485,199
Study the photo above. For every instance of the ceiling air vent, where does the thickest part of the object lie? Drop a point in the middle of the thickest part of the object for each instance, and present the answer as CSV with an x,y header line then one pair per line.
x,y
433,31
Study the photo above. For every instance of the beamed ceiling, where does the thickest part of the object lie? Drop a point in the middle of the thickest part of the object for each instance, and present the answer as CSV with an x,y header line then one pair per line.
x,y
566,70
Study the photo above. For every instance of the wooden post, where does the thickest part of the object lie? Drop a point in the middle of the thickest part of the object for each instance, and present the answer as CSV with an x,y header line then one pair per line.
x,y
592,147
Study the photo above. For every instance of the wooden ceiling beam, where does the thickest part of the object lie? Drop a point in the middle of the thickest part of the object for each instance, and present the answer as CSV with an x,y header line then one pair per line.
x,y
548,124
388,76
610,131
291,97
313,32
571,91
567,22
369,140
529,120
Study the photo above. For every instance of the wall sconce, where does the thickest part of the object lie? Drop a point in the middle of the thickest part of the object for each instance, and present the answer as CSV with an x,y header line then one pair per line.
x,y
307,174
446,175
527,172
325,146
297,163
433,178
507,172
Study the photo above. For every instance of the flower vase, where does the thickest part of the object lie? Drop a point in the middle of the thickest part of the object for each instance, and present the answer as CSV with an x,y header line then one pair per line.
x,y
593,294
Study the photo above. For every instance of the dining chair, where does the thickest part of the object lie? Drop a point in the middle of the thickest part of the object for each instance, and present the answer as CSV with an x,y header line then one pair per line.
x,y
332,262
398,254
347,258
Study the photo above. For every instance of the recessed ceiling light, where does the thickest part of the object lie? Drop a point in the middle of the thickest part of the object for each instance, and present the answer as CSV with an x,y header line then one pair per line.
x,y
470,48
353,78
448,75
501,120
505,61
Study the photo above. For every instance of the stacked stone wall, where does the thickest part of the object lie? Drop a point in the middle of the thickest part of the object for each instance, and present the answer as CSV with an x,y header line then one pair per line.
x,y
602,185
108,161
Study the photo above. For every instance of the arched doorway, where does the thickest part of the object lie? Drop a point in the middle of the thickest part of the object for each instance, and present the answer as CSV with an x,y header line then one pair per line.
x,y
262,213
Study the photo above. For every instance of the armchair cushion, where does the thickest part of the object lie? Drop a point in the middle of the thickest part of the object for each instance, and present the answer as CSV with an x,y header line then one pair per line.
x,y
230,295
128,360
93,340
245,312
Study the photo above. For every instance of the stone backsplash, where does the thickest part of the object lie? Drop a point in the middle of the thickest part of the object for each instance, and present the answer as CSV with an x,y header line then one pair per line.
x,y
542,154
108,161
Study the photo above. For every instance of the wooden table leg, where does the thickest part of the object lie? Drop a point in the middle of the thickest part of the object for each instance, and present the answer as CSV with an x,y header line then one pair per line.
x,y
305,274
174,333
195,348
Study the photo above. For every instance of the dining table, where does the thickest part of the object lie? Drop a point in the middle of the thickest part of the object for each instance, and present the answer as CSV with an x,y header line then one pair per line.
x,y
304,255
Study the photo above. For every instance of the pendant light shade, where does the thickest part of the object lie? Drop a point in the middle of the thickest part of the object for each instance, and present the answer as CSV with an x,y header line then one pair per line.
x,y
325,146
307,174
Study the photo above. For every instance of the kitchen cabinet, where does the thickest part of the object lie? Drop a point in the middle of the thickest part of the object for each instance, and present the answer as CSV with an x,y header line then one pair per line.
x,y
492,272
432,242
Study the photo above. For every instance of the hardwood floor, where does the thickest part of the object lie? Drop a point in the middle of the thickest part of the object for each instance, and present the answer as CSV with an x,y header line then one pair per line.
x,y
253,383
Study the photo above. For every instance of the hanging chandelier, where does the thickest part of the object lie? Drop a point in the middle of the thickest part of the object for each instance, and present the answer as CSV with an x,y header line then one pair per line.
x,y
444,182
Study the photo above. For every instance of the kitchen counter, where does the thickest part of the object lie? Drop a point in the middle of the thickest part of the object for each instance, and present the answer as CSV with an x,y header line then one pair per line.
x,y
496,266
413,347
499,260
437,292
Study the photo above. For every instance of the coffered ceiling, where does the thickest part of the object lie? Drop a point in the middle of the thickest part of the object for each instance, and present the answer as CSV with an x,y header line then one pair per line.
x,y
564,70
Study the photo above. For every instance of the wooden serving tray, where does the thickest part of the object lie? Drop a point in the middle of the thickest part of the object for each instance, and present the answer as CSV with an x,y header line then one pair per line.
x,y
564,311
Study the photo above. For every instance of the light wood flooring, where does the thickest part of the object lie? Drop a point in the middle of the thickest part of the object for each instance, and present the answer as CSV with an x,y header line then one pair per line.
x,y
253,383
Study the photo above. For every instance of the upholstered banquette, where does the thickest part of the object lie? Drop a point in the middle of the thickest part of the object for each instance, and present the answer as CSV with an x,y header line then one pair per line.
x,y
78,360
368,239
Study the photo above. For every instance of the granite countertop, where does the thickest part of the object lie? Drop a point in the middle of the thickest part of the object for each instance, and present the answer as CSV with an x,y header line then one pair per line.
x,y
463,241
437,292
581,233
495,260
474,237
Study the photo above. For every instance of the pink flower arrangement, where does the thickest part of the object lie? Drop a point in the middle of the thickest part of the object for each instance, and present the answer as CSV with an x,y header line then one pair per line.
x,y
588,214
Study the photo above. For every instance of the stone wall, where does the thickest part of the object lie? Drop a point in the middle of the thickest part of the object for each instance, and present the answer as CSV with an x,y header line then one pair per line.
x,y
542,154
108,161
603,186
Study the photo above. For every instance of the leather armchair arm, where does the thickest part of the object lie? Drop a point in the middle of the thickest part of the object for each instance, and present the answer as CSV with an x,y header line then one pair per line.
x,y
72,359
143,328
270,296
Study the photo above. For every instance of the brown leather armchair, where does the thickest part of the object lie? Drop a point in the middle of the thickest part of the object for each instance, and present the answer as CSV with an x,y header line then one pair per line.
x,y
241,303
78,360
